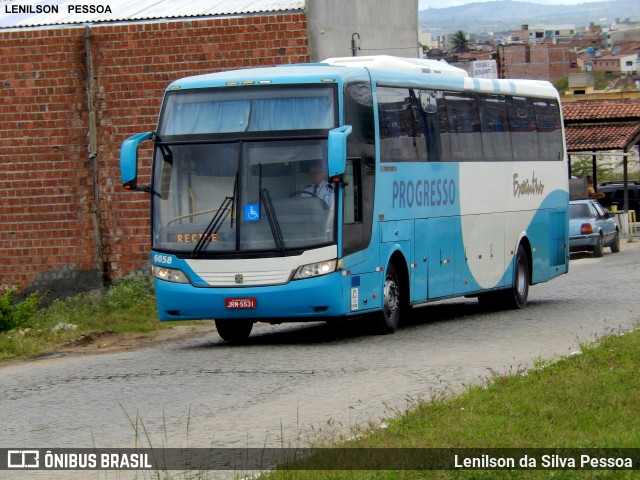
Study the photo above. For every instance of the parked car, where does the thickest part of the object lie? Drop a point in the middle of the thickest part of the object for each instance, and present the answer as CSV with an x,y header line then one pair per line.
x,y
614,194
591,228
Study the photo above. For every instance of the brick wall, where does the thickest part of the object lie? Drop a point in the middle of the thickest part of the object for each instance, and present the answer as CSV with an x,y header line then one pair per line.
x,y
45,182
539,62
55,234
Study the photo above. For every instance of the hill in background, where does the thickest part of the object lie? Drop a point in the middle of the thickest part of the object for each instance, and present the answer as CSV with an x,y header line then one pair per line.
x,y
502,16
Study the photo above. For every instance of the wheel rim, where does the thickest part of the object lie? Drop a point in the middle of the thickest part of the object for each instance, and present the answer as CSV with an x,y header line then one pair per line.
x,y
391,297
521,279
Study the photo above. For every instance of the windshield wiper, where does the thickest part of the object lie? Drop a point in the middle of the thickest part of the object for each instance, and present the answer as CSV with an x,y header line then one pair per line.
x,y
227,206
274,225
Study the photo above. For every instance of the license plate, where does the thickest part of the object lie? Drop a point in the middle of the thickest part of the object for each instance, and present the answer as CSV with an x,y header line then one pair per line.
x,y
240,302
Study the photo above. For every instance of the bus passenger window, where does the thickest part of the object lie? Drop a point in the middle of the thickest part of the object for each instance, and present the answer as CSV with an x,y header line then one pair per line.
x,y
464,125
494,119
401,135
549,130
524,135
428,116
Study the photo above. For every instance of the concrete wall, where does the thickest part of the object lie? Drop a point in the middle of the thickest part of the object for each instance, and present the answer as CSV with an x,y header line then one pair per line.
x,y
385,27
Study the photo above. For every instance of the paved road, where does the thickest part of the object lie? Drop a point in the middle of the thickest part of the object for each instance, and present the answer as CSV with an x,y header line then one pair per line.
x,y
297,382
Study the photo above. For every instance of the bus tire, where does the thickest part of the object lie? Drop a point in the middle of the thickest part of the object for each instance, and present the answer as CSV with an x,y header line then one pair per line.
x,y
235,331
392,303
516,297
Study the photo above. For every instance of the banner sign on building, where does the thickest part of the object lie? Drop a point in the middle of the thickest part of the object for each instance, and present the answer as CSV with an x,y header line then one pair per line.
x,y
484,69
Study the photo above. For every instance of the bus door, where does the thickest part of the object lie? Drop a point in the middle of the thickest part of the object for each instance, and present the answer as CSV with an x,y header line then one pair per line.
x,y
419,274
441,258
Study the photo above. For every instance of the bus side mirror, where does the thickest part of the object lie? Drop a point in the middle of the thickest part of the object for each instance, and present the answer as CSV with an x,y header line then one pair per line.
x,y
129,160
337,146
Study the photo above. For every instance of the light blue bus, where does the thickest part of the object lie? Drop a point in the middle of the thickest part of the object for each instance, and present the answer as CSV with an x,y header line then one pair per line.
x,y
433,185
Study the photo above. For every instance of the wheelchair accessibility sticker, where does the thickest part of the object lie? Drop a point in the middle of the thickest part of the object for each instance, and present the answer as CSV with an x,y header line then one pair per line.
x,y
252,212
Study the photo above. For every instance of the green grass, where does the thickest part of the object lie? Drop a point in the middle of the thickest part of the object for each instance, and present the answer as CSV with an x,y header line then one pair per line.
x,y
585,401
128,306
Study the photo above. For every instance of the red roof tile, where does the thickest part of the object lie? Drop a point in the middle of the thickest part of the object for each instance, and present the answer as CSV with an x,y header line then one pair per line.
x,y
594,110
600,137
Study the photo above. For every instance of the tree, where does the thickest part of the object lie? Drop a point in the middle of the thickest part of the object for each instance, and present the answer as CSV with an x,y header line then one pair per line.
x,y
562,84
459,41
426,49
606,169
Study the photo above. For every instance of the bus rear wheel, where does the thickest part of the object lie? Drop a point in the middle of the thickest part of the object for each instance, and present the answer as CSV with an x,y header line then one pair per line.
x,y
236,330
517,295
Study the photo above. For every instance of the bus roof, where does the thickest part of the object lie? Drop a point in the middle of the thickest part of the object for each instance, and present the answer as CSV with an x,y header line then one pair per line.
x,y
283,74
399,64
386,70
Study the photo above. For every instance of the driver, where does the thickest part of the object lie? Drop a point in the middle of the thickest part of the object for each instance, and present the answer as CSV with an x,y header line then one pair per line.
x,y
319,187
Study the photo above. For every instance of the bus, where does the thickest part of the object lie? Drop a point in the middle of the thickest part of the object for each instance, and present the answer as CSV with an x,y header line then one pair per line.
x,y
435,185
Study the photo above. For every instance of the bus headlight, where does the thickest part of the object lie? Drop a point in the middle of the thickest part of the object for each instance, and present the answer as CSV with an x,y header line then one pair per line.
x,y
317,269
169,274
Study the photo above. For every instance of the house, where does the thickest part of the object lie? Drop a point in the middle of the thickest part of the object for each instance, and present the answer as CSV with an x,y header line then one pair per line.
x,y
543,33
617,64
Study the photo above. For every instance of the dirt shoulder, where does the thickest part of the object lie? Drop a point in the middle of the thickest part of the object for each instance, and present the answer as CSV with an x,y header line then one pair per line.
x,y
110,342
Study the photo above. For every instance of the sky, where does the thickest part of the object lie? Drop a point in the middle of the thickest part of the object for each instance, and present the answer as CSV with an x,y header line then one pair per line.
x,y
424,4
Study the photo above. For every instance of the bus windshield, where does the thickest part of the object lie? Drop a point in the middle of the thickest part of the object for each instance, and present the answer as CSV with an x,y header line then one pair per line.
x,y
242,197
261,109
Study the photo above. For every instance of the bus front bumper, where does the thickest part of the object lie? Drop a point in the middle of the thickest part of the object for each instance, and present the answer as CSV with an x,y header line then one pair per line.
x,y
300,300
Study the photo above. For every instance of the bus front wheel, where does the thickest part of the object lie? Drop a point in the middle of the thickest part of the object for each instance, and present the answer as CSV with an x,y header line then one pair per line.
x,y
236,331
392,303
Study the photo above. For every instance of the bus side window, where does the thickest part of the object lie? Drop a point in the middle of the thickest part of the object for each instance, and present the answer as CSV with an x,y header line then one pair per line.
x,y
443,128
427,117
165,172
549,130
401,135
361,164
524,133
352,198
464,125
494,120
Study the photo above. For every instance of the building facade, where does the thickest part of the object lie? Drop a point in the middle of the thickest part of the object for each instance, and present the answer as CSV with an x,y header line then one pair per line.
x,y
537,62
625,64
